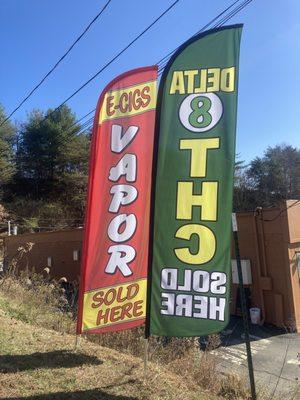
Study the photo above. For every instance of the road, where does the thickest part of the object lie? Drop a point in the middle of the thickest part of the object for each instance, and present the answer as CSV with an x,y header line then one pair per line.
x,y
276,357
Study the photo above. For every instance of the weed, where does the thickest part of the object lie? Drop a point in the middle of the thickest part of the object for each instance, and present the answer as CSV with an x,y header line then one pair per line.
x,y
35,300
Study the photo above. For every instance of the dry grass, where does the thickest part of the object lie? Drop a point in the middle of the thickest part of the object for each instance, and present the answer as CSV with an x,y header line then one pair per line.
x,y
36,327
34,302
37,349
37,363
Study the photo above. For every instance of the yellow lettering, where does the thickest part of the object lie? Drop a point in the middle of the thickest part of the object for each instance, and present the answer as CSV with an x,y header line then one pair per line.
x,y
213,80
186,200
177,84
191,76
210,80
203,77
227,79
199,148
207,244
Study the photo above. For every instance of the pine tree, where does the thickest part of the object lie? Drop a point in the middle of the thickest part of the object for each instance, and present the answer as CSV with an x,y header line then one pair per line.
x,y
7,142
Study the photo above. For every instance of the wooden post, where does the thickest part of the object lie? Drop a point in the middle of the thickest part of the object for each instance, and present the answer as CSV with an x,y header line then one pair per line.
x,y
77,342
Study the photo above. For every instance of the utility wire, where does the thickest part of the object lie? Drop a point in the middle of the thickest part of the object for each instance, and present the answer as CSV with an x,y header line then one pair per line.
x,y
162,61
87,123
114,58
233,12
110,62
281,212
283,364
166,57
80,220
86,128
22,220
59,61
86,115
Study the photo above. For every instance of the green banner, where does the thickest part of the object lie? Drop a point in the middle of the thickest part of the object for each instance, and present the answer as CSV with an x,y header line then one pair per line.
x,y
191,267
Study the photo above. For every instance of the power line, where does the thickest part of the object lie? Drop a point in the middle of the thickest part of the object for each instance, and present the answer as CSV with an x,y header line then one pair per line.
x,y
87,123
86,128
141,34
116,56
107,64
80,119
86,115
219,23
233,13
83,128
281,212
165,59
22,220
59,61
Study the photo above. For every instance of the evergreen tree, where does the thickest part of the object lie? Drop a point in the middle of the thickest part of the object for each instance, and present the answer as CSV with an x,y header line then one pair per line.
x,y
276,175
52,167
42,153
7,142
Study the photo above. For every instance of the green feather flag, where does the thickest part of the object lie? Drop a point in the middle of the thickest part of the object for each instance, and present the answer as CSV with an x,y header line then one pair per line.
x,y
196,123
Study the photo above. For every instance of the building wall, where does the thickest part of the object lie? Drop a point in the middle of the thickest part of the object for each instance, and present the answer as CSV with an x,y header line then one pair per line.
x,y
58,245
269,238
293,247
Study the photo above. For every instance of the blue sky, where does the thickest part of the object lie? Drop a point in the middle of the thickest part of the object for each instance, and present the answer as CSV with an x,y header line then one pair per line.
x,y
35,33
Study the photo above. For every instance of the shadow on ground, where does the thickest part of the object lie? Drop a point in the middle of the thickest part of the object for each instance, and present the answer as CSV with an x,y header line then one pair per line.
x,y
53,359
94,394
234,333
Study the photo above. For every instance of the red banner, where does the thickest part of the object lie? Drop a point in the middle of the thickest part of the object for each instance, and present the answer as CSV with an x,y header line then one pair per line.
x,y
115,251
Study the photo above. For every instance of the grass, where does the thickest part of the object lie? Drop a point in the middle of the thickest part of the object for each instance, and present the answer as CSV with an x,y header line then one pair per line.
x,y
35,303
39,363
38,358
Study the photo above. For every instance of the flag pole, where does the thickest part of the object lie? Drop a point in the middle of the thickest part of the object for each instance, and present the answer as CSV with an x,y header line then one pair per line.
x,y
77,341
243,305
146,345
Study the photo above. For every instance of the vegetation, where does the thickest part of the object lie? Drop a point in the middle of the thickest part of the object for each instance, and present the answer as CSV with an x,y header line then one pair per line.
x,y
34,358
268,179
43,179
37,344
7,138
43,171
44,168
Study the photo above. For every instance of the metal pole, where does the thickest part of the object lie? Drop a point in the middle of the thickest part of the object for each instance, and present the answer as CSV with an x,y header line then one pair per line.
x,y
8,228
146,344
244,307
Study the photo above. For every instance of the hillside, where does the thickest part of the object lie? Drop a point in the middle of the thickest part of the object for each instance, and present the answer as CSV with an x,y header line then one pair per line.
x,y
37,363
40,363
